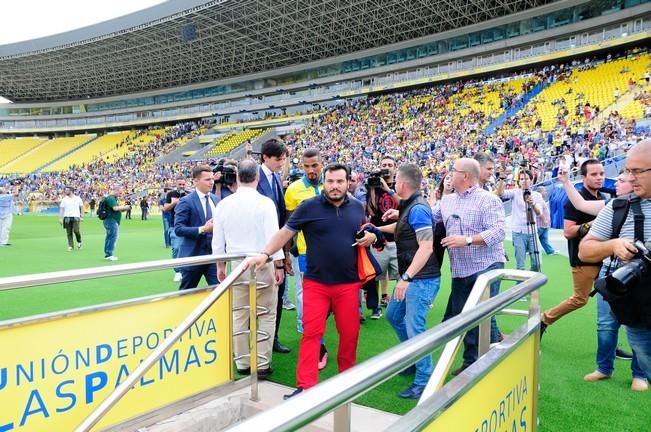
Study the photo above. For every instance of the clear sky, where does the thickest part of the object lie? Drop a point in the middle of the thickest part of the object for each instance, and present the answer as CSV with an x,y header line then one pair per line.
x,y
29,19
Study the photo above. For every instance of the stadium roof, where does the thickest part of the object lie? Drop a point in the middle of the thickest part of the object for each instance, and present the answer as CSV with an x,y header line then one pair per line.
x,y
184,42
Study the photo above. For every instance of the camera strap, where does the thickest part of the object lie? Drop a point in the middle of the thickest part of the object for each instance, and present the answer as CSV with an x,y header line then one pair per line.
x,y
638,218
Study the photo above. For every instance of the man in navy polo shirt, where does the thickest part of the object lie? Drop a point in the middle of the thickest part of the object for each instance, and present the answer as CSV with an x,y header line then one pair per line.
x,y
329,222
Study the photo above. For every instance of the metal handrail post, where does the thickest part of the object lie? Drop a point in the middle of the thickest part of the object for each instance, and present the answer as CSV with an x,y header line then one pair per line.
x,y
479,291
253,335
484,332
140,371
342,418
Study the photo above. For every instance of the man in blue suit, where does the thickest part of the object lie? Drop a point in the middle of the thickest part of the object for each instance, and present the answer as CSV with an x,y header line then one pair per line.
x,y
274,155
193,224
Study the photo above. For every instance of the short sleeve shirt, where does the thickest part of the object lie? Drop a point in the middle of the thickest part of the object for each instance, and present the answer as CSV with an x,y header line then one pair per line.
x,y
572,214
111,202
329,234
295,194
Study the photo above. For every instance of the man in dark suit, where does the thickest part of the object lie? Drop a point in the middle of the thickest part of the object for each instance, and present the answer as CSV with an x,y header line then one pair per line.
x,y
274,155
193,224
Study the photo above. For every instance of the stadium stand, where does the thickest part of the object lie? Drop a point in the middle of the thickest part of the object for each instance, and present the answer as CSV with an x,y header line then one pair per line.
x,y
13,148
229,142
88,153
142,139
44,154
571,97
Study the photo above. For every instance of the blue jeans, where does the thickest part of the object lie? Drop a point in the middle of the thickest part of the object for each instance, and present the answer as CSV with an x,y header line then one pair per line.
x,y
298,292
607,334
461,288
111,227
166,232
640,340
176,244
523,244
543,236
408,318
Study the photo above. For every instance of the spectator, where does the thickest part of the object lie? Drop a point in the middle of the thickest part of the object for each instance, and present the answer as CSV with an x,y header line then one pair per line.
x,y
71,213
112,221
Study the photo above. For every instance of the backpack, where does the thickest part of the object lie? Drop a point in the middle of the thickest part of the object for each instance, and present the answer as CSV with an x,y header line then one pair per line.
x,y
631,306
102,209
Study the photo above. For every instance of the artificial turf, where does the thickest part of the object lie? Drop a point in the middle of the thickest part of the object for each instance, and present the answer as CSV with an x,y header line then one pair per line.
x,y
566,402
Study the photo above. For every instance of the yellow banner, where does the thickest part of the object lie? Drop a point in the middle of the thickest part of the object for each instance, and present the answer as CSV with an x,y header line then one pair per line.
x,y
54,373
503,401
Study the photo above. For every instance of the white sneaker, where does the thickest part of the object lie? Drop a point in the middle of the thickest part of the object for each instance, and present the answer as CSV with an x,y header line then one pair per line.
x,y
111,258
69,248
177,277
79,246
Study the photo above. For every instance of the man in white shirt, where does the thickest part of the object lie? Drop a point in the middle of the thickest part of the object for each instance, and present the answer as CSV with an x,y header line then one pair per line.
x,y
245,222
71,213
523,240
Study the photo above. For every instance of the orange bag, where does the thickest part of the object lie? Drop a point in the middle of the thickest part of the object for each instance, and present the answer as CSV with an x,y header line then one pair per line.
x,y
367,267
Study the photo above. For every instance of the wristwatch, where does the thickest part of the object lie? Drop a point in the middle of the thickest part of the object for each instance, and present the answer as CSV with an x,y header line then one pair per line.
x,y
405,277
469,241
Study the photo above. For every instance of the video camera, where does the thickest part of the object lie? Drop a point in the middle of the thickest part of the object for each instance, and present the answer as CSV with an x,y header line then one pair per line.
x,y
618,283
294,175
228,173
373,179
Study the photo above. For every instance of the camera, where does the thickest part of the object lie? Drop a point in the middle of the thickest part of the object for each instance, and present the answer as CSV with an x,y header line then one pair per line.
x,y
373,179
228,173
293,176
618,283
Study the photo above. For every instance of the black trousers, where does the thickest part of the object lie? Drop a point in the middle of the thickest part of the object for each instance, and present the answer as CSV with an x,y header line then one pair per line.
x,y
71,224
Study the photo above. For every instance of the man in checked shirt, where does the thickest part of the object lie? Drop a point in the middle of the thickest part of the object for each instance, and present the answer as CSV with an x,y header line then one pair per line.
x,y
474,225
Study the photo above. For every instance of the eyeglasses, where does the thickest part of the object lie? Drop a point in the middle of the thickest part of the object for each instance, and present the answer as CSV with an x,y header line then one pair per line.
x,y
635,172
453,170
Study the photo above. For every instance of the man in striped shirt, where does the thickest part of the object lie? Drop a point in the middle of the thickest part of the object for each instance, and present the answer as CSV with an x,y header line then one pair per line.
x,y
599,244
474,224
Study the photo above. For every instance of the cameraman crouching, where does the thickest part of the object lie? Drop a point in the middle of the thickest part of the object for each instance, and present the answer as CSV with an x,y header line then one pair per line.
x,y
628,289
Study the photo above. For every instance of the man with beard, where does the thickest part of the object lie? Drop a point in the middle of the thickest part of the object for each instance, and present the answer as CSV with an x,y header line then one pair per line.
x,y
329,222
308,186
71,213
576,225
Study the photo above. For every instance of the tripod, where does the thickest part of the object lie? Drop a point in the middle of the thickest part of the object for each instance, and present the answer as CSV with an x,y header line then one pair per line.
x,y
533,232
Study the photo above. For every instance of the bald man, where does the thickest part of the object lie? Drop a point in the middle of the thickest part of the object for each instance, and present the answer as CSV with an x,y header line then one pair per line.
x,y
634,309
474,224
112,221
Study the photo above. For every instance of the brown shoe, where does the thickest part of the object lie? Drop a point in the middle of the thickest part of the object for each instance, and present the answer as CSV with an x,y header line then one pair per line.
x,y
639,385
596,376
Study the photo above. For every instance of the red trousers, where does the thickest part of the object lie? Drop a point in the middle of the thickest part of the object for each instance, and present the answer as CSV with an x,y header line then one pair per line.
x,y
317,300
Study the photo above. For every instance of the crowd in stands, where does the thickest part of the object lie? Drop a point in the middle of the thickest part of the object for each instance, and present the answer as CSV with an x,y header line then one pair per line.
x,y
436,125
136,171
430,126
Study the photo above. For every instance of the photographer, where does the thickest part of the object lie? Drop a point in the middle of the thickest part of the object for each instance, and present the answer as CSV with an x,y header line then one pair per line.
x,y
381,197
225,177
523,240
630,300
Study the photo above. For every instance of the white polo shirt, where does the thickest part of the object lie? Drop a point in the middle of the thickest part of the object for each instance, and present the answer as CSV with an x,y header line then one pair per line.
x,y
71,206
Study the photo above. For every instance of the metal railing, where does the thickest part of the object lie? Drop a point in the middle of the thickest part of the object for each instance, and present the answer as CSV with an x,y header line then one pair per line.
x,y
338,392
480,292
16,282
